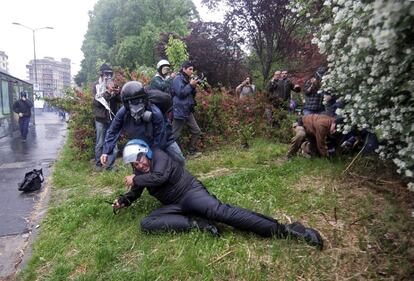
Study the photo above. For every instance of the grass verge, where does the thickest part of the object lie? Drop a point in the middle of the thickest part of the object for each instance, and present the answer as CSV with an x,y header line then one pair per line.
x,y
367,233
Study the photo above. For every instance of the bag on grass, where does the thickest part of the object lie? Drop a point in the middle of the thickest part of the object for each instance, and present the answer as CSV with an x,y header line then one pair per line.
x,y
32,181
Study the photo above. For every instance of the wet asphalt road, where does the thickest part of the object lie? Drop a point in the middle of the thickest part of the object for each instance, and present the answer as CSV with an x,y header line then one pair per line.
x,y
44,141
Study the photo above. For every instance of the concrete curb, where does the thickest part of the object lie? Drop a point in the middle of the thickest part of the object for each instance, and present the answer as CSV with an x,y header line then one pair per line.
x,y
19,247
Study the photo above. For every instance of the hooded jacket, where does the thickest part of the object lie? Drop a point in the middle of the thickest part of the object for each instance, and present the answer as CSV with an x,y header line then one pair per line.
x,y
23,106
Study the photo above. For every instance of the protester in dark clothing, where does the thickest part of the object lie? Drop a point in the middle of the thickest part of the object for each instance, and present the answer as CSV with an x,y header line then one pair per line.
x,y
272,92
164,77
313,98
139,118
188,204
105,75
162,81
23,107
332,103
313,95
280,89
104,109
183,91
316,128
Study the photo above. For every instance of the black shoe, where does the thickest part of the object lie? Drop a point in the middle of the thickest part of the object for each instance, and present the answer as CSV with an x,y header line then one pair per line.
x,y
310,235
203,224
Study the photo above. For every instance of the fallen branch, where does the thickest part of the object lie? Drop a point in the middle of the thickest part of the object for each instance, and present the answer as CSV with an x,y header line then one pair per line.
x,y
356,157
325,216
221,257
363,218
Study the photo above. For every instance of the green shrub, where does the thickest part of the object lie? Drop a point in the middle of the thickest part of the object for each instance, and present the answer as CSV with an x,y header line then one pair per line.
x,y
221,115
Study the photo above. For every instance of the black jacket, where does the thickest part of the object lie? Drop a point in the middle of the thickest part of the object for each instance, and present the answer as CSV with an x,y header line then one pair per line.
x,y
101,113
167,181
280,89
25,107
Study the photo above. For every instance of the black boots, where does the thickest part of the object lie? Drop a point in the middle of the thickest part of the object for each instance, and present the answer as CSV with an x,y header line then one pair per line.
x,y
203,224
298,231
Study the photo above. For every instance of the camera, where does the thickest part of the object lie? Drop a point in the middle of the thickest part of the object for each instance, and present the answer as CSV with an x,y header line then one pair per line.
x,y
199,78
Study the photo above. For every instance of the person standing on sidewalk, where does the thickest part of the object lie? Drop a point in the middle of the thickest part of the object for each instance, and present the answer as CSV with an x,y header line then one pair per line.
x,y
23,107
183,90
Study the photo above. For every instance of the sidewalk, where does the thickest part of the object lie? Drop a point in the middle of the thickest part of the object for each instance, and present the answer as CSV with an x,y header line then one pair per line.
x,y
19,213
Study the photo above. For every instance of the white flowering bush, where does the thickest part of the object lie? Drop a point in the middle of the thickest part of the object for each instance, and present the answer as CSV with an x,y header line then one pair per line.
x,y
369,48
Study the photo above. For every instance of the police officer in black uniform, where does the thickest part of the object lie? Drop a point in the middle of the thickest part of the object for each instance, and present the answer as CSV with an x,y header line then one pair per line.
x,y
188,204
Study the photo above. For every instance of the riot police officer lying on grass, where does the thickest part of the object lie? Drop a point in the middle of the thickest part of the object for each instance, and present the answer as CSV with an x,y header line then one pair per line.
x,y
188,204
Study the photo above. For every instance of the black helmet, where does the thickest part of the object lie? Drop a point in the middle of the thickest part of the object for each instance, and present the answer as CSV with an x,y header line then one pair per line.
x,y
134,98
133,90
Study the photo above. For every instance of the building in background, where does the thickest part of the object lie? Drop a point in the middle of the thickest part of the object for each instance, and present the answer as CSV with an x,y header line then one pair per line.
x,y
4,62
53,77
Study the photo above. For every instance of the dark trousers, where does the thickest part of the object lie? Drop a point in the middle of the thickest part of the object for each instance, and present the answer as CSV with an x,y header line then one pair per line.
x,y
178,125
199,202
101,129
24,126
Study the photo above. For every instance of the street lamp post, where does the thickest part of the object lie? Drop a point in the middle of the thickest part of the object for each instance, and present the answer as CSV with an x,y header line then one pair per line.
x,y
34,46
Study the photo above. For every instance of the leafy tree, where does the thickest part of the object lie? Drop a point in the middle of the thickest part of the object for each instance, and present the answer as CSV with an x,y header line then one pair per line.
x,y
176,51
267,26
215,51
125,32
369,48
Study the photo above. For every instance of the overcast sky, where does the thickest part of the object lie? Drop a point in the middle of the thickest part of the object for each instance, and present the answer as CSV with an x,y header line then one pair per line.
x,y
69,18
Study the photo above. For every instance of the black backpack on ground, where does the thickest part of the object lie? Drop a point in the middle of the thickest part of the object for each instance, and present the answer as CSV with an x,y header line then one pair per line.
x,y
32,181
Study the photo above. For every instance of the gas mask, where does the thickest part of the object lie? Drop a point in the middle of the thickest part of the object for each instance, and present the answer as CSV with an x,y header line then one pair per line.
x,y
138,111
165,70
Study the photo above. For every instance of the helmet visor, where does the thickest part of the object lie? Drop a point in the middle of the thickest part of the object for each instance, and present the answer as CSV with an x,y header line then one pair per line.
x,y
133,153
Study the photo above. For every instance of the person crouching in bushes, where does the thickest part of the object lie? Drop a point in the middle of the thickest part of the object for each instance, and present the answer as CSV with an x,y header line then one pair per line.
x,y
315,128
187,202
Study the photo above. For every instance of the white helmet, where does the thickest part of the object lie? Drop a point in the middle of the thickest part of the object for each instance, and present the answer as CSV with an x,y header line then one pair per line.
x,y
134,148
162,63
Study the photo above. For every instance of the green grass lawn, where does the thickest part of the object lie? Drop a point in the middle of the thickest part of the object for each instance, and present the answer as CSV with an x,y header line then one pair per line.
x,y
366,233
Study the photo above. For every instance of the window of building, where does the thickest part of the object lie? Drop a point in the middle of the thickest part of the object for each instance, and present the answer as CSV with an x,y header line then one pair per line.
x,y
5,103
